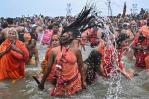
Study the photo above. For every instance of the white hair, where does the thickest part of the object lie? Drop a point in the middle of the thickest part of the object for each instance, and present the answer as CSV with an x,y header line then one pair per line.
x,y
14,30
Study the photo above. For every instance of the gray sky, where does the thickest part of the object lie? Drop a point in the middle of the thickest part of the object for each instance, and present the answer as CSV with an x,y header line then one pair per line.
x,y
14,8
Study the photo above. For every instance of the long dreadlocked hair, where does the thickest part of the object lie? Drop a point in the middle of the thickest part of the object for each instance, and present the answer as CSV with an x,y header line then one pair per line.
x,y
81,23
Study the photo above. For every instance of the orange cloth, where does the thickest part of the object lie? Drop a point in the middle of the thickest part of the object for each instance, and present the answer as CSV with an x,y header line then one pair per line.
x,y
44,65
47,53
147,62
68,71
144,30
12,64
140,54
142,22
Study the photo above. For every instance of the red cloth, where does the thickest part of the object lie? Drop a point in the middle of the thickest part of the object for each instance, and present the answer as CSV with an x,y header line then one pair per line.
x,y
144,30
47,53
108,57
147,62
140,54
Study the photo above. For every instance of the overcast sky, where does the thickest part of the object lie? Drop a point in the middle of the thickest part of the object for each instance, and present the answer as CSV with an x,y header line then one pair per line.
x,y
14,8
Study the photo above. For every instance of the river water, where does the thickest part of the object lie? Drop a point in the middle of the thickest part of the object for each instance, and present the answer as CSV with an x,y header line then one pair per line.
x,y
136,88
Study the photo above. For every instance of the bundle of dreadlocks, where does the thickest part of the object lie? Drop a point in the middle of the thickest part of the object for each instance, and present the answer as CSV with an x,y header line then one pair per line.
x,y
84,21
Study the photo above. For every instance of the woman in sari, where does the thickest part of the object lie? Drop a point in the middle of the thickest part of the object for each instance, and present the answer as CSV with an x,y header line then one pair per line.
x,y
44,63
13,54
67,59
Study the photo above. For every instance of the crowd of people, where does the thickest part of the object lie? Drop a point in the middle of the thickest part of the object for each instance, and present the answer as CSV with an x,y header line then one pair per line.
x,y
63,64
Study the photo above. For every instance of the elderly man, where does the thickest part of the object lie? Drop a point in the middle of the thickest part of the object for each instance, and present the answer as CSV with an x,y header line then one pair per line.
x,y
13,54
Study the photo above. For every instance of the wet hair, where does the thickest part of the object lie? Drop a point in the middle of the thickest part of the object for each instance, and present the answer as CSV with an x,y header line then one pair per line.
x,y
93,61
141,37
94,58
122,37
80,24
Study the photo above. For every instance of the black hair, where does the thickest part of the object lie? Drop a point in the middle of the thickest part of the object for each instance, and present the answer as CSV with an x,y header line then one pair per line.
x,y
93,61
50,26
10,21
4,25
141,37
103,36
122,37
80,24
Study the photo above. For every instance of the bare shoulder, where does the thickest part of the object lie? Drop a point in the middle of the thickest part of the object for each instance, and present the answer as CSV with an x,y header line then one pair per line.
x,y
55,50
77,51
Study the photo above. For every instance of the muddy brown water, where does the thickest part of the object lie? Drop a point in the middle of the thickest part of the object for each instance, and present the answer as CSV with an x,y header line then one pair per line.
x,y
137,88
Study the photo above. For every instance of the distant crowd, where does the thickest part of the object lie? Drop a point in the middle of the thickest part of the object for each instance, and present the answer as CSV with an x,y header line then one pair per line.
x,y
63,64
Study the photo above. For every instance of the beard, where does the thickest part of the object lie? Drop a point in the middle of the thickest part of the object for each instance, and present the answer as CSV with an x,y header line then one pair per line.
x,y
65,40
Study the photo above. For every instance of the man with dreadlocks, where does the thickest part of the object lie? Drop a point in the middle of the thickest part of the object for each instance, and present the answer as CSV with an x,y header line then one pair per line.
x,y
69,71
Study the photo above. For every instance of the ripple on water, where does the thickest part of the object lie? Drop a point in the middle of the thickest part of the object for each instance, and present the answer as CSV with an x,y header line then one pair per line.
x,y
137,88
3,85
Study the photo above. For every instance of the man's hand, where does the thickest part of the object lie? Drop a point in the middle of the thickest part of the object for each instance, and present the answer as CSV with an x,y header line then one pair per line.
x,y
14,47
8,48
84,85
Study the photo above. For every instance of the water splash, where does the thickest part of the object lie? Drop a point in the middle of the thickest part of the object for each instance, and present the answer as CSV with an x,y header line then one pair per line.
x,y
114,89
114,81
